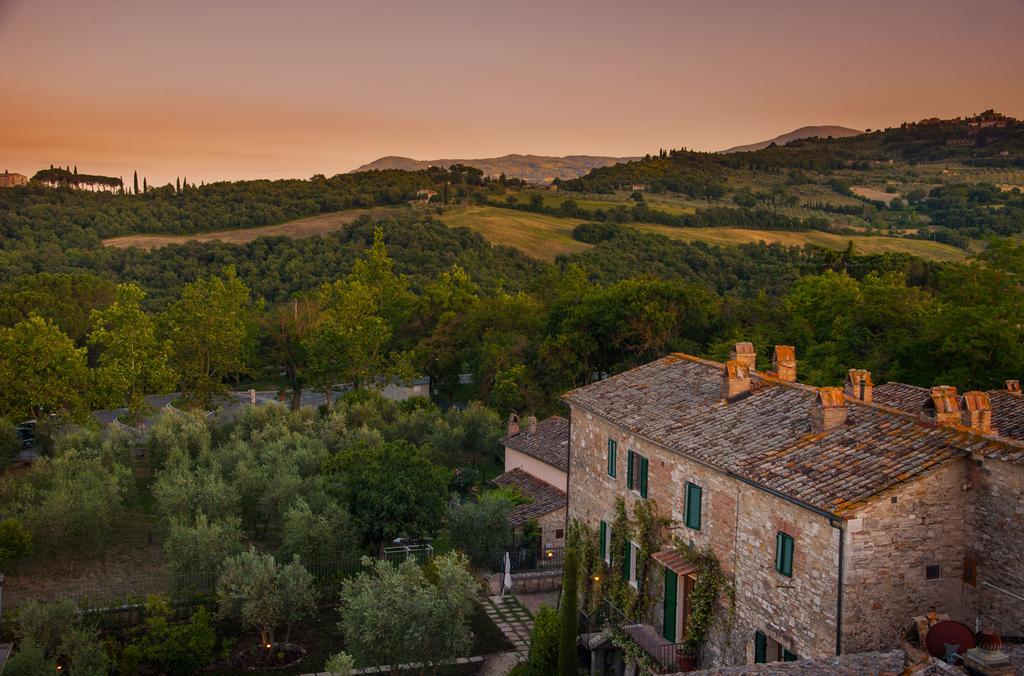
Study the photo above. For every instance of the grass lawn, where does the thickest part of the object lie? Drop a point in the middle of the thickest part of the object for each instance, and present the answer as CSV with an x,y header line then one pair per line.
x,y
862,245
314,226
538,235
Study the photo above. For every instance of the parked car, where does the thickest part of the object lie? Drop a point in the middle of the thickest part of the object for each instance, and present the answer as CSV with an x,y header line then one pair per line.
x,y
26,432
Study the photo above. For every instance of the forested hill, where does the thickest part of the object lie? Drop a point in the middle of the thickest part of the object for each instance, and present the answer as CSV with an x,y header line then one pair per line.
x,y
531,168
705,174
825,131
36,217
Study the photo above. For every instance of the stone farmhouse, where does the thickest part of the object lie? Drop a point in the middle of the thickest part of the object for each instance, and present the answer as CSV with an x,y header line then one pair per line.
x,y
837,514
12,180
536,463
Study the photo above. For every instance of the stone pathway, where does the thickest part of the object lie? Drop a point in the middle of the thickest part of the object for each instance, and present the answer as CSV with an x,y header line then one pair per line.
x,y
513,620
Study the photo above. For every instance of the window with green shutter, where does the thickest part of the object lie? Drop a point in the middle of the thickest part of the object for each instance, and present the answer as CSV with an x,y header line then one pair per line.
x,y
626,560
760,648
603,544
693,500
784,554
629,468
643,477
613,448
788,656
669,606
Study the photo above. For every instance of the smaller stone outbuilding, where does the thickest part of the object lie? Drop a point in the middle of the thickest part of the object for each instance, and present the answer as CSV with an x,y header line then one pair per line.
x,y
546,505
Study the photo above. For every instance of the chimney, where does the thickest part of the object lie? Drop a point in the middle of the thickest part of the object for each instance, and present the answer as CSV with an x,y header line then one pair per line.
x,y
513,425
976,411
744,354
531,425
828,410
784,362
736,380
859,385
1013,387
943,406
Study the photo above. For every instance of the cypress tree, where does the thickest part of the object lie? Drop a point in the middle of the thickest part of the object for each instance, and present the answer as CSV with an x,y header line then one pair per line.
x,y
184,183
136,180
177,184
567,660
145,186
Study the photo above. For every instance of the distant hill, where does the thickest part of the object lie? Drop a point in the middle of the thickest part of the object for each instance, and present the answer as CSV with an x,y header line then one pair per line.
x,y
802,132
531,168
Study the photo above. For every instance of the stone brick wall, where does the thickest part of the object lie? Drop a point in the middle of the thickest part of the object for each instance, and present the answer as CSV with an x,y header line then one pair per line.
x,y
889,544
995,539
740,523
550,524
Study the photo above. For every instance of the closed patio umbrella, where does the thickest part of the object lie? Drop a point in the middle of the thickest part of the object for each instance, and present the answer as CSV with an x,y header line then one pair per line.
x,y
507,583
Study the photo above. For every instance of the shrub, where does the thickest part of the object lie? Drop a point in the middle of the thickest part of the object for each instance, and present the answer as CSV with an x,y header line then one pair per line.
x,y
481,529
15,541
340,664
547,628
175,648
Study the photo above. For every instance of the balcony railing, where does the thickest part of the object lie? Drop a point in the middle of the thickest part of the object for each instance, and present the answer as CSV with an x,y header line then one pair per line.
x,y
668,656
530,560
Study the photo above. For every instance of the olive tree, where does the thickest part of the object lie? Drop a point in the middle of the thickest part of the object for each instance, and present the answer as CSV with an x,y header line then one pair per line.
x,y
263,594
394,614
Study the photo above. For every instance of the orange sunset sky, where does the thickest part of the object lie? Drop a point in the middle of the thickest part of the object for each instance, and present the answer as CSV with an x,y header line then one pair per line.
x,y
246,89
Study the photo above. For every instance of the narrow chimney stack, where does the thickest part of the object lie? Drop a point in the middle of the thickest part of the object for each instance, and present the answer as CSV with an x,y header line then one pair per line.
x,y
736,381
784,362
976,411
943,406
744,353
531,425
828,410
513,425
859,385
1013,387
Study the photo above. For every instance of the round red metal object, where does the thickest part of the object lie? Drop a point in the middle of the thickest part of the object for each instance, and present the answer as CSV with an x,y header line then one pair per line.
x,y
949,632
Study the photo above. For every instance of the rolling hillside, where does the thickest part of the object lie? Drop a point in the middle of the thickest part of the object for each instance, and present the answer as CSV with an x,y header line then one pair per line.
x,y
803,132
530,168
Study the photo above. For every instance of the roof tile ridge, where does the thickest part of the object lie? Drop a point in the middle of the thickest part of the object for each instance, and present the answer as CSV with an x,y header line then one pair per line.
x,y
929,424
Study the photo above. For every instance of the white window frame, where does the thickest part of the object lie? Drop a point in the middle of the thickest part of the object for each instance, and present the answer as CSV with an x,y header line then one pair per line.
x,y
634,554
608,543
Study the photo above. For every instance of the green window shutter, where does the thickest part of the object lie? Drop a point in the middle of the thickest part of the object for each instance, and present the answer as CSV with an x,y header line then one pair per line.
x,y
625,562
669,615
603,534
693,504
629,469
760,648
643,477
788,656
784,554
613,448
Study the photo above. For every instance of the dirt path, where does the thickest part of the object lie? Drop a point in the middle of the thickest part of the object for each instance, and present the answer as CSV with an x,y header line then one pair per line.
x,y
314,226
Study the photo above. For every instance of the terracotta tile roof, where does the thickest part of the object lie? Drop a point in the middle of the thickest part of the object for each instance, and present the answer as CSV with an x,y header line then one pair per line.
x,y
549,444
544,498
1007,408
1007,413
674,561
766,438
902,396
856,664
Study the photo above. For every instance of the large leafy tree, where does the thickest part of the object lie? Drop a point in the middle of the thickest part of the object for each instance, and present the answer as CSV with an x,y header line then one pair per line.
x,y
286,328
390,490
132,361
394,614
212,330
41,369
